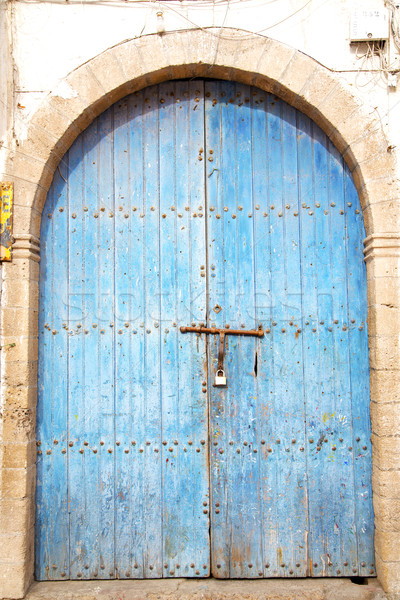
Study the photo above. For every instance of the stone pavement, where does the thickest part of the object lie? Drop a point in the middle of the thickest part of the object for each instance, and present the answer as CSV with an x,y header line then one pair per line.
x,y
208,589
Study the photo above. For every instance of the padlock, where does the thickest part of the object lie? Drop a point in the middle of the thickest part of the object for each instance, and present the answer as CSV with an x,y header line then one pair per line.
x,y
220,378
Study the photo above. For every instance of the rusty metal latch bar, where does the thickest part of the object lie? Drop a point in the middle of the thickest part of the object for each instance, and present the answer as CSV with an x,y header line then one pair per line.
x,y
220,379
220,365
227,331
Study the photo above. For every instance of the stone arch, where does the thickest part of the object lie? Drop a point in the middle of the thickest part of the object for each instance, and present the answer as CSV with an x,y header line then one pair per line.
x,y
270,65
86,92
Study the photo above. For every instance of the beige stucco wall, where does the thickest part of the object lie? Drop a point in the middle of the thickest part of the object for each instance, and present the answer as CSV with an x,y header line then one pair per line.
x,y
67,61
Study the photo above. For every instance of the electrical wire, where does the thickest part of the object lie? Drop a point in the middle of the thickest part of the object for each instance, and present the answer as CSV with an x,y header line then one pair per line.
x,y
167,5
286,18
375,49
394,21
182,3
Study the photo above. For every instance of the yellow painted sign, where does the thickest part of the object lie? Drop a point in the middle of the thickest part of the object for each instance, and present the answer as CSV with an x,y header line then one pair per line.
x,y
6,200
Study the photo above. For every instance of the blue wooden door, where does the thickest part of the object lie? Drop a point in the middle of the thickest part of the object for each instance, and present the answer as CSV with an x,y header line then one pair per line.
x,y
290,435
188,203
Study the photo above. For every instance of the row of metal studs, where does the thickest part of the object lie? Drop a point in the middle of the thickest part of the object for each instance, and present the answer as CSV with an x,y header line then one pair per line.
x,y
134,331
219,566
203,442
195,214
220,451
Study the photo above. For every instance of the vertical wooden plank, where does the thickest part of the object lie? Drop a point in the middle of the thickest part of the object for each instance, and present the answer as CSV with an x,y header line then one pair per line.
x,y
52,545
174,530
288,357
136,522
123,345
264,310
59,495
92,220
220,410
192,304
43,548
336,415
359,379
76,395
315,536
242,314
284,553
152,490
277,440
323,561
106,400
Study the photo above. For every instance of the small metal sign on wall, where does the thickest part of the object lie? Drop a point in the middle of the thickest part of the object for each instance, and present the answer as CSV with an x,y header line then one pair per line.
x,y
6,201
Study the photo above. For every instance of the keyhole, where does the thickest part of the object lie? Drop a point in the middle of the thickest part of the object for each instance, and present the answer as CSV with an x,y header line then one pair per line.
x,y
256,364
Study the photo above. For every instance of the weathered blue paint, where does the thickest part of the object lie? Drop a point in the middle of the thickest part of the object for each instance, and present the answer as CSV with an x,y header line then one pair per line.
x,y
288,476
203,202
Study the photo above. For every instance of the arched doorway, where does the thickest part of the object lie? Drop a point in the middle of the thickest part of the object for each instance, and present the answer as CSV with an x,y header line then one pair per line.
x,y
216,203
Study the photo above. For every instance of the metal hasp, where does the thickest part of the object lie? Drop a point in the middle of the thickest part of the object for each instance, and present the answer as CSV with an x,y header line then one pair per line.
x,y
6,199
220,378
